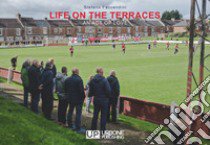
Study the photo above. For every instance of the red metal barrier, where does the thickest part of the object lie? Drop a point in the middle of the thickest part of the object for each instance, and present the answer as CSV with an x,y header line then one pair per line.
x,y
144,110
16,75
3,72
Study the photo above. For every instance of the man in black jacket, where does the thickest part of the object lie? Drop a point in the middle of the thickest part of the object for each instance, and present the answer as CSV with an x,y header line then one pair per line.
x,y
100,89
115,92
47,91
74,91
54,69
34,85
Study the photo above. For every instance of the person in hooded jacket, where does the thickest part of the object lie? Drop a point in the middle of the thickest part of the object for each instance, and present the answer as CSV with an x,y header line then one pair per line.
x,y
100,89
25,81
75,94
115,92
47,91
62,103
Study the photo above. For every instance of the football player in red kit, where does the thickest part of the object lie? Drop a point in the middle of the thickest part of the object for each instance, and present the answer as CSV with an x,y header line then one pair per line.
x,y
71,50
123,48
167,45
83,41
176,49
154,43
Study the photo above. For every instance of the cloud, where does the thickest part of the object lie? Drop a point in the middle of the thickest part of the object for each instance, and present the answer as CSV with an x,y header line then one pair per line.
x,y
41,8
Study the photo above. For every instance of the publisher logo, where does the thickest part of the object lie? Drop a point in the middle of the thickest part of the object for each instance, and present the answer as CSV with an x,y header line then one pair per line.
x,y
107,134
93,134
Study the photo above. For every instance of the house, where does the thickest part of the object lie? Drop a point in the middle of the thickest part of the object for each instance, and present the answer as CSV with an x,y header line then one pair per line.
x,y
10,31
2,32
59,31
115,28
101,28
84,28
139,28
144,28
155,28
32,32
181,27
169,25
43,29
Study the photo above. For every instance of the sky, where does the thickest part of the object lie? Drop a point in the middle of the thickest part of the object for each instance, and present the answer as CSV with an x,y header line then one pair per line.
x,y
40,8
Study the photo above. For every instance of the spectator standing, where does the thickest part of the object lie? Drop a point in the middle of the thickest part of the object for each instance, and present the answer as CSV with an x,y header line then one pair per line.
x,y
54,69
42,67
34,85
115,92
100,89
63,103
25,81
75,94
88,99
47,91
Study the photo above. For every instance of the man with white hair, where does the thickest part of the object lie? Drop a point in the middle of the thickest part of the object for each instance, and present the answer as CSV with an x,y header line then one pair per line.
x,y
34,76
47,91
54,70
115,92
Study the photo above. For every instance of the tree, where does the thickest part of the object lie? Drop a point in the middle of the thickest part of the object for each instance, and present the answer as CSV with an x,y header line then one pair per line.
x,y
174,14
166,15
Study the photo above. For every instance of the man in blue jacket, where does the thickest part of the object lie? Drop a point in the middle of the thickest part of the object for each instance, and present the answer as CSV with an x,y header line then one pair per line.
x,y
47,91
75,94
100,89
115,92
34,77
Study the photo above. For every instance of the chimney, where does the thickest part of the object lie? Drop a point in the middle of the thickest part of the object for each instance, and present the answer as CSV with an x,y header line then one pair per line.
x,y
18,16
173,19
69,18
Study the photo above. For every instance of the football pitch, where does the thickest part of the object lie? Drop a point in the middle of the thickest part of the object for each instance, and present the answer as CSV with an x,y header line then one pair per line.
x,y
156,75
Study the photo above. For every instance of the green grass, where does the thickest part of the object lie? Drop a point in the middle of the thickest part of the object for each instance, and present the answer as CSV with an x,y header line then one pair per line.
x,y
13,84
20,126
138,124
157,75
